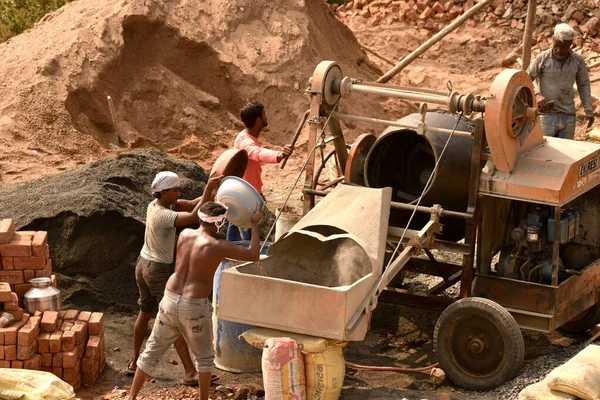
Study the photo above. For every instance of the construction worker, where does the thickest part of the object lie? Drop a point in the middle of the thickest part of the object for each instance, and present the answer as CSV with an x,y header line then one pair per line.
x,y
554,71
185,310
254,117
155,263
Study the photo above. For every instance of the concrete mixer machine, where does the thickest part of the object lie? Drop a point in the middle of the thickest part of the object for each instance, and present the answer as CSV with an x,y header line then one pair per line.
x,y
522,210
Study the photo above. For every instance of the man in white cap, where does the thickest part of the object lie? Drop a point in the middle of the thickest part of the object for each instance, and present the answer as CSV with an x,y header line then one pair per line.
x,y
554,71
185,310
155,263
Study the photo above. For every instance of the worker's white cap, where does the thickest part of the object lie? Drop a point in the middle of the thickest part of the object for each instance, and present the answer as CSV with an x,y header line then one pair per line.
x,y
165,180
564,32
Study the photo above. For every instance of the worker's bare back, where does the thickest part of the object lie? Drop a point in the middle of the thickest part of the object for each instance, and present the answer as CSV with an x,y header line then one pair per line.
x,y
198,257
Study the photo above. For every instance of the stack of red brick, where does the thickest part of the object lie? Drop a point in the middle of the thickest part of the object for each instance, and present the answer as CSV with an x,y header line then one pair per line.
x,y
23,256
68,344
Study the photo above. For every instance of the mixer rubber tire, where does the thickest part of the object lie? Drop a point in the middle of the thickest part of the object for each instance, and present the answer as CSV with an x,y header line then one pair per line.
x,y
478,344
583,322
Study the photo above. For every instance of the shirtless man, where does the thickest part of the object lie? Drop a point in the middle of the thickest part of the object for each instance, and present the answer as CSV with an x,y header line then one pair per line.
x,y
185,308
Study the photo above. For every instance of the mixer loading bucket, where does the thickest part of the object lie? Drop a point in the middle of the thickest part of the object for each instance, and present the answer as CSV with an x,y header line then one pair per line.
x,y
317,274
403,159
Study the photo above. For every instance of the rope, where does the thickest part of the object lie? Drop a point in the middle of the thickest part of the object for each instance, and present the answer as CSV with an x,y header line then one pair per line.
x,y
424,189
393,369
317,144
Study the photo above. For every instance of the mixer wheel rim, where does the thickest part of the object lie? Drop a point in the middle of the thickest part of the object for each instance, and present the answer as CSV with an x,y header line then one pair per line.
x,y
496,348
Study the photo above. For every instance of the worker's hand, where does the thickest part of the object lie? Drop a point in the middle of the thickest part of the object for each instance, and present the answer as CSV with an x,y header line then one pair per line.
x,y
258,215
213,183
590,121
286,152
541,102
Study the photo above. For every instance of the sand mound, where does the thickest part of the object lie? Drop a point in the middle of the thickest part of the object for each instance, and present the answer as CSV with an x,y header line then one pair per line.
x,y
178,72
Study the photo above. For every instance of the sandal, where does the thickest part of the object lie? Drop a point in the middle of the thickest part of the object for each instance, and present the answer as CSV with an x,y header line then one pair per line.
x,y
194,381
130,371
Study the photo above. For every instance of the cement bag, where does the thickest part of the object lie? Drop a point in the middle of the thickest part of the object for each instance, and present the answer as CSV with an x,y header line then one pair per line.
x,y
25,384
541,391
325,373
283,370
306,344
580,376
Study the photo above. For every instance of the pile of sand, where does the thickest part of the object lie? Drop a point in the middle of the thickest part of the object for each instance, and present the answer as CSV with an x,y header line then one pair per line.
x,y
178,72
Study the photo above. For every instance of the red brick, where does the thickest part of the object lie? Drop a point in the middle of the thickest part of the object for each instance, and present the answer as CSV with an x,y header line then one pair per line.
x,y
68,341
13,304
5,292
7,264
1,336
47,369
38,244
13,277
10,352
92,349
29,263
21,289
47,359
44,342
7,231
55,341
47,251
49,321
34,362
46,272
28,275
24,352
2,352
80,350
19,246
96,323
76,384
61,314
90,365
58,371
84,316
80,329
70,358
66,326
57,359
18,313
27,335
71,315
4,364
10,332
16,364
71,374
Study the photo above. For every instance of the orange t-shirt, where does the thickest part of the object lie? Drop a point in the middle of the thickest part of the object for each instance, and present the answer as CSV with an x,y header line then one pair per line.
x,y
256,156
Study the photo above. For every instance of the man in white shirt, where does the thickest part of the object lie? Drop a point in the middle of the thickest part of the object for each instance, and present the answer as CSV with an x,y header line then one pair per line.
x,y
155,264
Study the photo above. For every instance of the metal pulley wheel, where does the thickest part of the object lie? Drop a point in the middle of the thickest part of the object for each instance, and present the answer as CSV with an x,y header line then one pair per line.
x,y
355,166
327,75
478,343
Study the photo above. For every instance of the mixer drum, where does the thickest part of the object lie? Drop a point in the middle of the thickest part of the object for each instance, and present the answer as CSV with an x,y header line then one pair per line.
x,y
404,160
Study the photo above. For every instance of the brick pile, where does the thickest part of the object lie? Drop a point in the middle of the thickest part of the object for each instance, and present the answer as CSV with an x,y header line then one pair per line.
x,y
24,255
69,344
430,16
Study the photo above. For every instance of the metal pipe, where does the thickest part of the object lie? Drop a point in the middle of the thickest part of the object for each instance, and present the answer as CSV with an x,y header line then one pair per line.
x,y
430,210
395,123
528,34
296,134
434,39
405,88
402,94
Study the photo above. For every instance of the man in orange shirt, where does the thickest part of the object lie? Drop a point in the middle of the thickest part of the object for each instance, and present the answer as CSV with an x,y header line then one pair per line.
x,y
254,116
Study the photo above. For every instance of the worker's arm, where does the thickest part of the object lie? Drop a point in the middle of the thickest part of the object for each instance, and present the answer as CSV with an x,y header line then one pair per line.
x,y
241,253
534,74
186,217
585,92
261,154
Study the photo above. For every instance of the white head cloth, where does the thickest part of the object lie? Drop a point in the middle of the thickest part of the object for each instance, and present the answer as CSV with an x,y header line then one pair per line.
x,y
217,219
564,32
165,180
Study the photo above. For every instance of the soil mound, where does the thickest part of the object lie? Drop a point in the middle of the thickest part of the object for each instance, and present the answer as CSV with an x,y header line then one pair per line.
x,y
177,71
95,218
